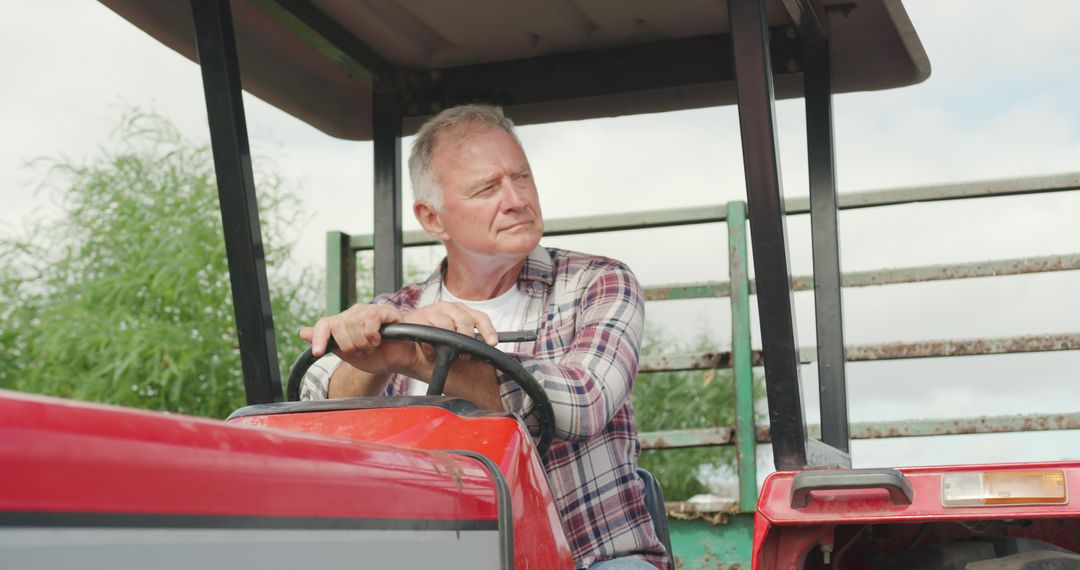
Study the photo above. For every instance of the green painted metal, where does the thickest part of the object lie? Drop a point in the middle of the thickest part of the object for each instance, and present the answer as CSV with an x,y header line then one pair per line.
x,y
316,40
875,430
702,544
340,273
700,437
589,224
965,347
959,426
742,357
884,351
703,290
801,205
920,274
935,193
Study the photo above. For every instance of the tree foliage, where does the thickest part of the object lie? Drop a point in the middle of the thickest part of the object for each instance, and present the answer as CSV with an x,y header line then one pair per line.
x,y
125,299
684,400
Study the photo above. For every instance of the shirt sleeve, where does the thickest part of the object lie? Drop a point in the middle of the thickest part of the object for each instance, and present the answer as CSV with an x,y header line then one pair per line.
x,y
590,381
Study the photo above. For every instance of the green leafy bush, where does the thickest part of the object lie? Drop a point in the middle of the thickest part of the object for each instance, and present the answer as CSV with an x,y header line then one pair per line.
x,y
684,400
125,299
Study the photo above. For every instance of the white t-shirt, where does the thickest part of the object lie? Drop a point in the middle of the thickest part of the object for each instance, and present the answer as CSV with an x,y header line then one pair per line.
x,y
507,313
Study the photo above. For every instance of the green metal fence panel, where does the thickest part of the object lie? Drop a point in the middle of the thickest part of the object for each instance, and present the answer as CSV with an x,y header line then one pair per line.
x,y
883,351
800,205
340,273
920,274
742,356
697,437
874,430
715,542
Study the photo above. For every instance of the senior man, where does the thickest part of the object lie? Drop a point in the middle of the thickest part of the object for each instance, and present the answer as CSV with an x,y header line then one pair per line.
x,y
474,191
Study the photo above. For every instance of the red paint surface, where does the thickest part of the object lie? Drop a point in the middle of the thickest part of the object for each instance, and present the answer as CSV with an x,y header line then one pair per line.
x,y
63,456
539,540
779,528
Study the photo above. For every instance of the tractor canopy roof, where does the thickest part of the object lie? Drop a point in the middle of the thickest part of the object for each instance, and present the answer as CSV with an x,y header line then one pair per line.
x,y
544,60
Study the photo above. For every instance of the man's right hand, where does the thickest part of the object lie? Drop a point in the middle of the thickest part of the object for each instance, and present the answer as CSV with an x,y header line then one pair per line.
x,y
356,331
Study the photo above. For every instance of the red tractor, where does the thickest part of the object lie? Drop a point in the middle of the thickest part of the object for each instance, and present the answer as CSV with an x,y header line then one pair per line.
x,y
436,481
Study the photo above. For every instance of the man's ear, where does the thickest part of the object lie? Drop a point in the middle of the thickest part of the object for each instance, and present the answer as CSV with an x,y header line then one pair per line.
x,y
430,220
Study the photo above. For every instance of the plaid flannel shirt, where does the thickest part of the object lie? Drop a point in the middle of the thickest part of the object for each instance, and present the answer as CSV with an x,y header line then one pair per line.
x,y
588,313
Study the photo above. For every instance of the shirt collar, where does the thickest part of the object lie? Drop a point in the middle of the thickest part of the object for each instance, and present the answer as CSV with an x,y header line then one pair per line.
x,y
538,267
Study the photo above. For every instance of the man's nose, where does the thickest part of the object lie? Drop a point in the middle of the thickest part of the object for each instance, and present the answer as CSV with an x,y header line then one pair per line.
x,y
513,197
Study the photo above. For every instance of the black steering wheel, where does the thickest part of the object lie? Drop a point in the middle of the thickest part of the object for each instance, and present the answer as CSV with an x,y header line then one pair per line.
x,y
448,345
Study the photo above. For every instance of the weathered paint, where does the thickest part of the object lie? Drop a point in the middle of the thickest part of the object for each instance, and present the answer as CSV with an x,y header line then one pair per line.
x,y
884,351
723,543
742,356
939,192
964,347
920,274
337,280
703,290
717,213
686,510
701,437
876,430
693,361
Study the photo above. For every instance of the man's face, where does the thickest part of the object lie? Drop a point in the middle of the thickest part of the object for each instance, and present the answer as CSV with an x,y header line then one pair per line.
x,y
490,206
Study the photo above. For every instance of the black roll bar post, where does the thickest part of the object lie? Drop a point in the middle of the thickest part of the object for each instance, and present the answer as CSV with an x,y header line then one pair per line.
x,y
216,43
792,447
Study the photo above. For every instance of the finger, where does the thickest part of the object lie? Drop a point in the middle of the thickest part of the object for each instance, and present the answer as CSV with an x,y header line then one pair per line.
x,y
485,327
319,336
463,320
306,333
369,331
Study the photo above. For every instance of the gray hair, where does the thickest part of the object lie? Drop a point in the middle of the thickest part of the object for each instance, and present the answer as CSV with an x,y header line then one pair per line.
x,y
453,122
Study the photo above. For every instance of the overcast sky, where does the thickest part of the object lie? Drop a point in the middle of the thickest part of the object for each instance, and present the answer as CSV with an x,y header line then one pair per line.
x,y
1000,102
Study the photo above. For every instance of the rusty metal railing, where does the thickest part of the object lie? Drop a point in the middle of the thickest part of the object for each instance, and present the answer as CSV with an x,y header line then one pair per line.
x,y
342,249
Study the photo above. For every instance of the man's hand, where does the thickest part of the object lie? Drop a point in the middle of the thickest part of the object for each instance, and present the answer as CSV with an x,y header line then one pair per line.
x,y
356,331
453,317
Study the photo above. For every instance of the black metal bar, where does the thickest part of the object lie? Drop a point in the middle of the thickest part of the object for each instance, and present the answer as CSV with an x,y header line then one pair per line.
x,y
825,237
387,147
333,33
753,78
659,65
809,17
236,191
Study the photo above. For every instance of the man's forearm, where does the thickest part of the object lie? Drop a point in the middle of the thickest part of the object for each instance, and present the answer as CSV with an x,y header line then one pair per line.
x,y
475,381
349,381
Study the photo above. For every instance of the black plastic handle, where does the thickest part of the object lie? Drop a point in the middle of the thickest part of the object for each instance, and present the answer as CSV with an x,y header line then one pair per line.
x,y
893,481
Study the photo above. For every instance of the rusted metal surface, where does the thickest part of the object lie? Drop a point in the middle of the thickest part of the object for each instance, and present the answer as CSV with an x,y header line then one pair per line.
x,y
590,224
952,426
1020,266
959,191
884,351
1048,263
693,361
965,347
955,426
702,290
676,438
742,357
878,430
717,213
690,510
